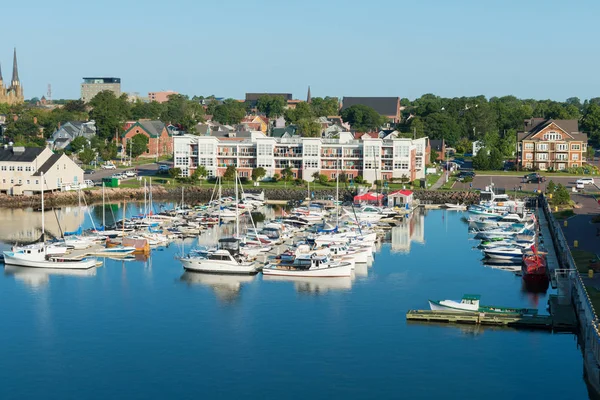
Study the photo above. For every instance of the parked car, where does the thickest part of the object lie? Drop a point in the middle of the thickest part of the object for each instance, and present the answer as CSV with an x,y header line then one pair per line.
x,y
579,185
119,176
533,178
88,183
163,168
89,172
108,166
585,181
130,173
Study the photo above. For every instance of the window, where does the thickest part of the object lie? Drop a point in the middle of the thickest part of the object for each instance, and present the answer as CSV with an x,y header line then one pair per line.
x,y
575,165
529,156
561,166
28,169
528,165
371,151
265,164
20,181
552,136
575,156
542,146
207,162
311,164
369,165
4,168
575,147
311,150
401,165
19,169
562,147
528,146
541,156
265,150
205,148
11,168
401,151
542,165
561,156
37,182
12,180
28,181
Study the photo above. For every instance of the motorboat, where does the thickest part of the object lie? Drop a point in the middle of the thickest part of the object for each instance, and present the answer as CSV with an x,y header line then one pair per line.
x,y
309,265
37,258
226,259
504,253
470,304
457,206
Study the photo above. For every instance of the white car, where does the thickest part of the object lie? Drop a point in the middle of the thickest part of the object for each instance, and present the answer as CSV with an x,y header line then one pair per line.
x,y
130,173
119,176
585,181
88,183
109,166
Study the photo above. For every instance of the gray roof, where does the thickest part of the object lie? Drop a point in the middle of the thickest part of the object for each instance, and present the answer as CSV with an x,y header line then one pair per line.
x,y
48,164
535,125
154,128
29,154
279,132
436,144
383,105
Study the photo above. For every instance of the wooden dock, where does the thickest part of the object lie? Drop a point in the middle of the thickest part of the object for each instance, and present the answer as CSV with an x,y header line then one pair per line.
x,y
563,314
507,320
551,257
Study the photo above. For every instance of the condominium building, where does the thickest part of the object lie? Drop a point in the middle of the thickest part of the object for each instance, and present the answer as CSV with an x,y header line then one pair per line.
x,y
548,144
92,86
161,97
372,158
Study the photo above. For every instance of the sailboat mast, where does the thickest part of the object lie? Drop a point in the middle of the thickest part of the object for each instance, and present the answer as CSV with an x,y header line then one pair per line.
x,y
337,195
237,220
103,208
42,193
181,197
145,202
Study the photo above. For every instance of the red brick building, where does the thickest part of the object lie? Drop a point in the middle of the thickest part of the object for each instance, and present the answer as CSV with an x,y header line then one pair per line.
x,y
160,139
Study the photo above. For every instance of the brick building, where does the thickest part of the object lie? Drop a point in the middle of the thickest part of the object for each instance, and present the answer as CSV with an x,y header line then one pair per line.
x,y
160,138
548,144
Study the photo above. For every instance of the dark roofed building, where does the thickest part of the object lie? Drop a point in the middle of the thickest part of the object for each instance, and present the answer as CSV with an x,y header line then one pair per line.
x,y
439,146
386,106
160,141
20,154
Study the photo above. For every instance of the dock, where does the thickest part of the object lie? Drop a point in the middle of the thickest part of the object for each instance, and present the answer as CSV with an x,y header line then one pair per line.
x,y
552,263
508,320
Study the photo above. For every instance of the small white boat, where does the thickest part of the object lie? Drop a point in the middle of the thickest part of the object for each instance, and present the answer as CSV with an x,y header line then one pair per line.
x,y
309,265
116,251
470,304
504,253
458,207
37,258
218,262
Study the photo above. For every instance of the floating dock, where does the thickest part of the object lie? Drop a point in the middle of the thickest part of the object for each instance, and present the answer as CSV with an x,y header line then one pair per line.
x,y
508,320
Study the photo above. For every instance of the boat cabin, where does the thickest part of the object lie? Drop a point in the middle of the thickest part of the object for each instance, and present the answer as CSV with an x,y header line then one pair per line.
x,y
220,255
471,299
232,245
306,261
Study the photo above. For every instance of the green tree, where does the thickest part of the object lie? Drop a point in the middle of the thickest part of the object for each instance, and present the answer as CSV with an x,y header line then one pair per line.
x,y
433,155
201,172
108,151
110,113
229,173
24,128
75,106
78,144
362,118
231,112
550,187
142,110
496,161
181,111
590,122
417,127
481,161
309,128
271,106
137,146
302,111
325,107
287,174
258,173
174,172
464,146
561,196
87,155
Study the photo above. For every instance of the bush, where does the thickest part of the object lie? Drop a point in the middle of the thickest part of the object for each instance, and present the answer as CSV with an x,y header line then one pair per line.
x,y
243,180
276,177
560,196
550,187
298,182
359,179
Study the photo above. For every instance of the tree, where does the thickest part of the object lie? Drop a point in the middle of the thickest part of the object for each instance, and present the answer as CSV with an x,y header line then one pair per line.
x,y
433,155
174,172
229,174
137,146
152,110
590,153
481,161
404,179
561,196
287,174
590,122
109,112
181,111
258,173
201,172
309,128
496,161
23,128
362,118
325,107
302,111
464,146
271,106
316,176
78,144
231,112
87,155
108,151
550,187
75,106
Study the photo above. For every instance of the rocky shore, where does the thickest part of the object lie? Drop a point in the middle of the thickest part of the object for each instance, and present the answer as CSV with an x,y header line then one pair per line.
x,y
196,194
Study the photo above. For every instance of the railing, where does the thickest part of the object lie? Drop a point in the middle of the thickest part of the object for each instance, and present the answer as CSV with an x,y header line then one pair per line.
x,y
387,156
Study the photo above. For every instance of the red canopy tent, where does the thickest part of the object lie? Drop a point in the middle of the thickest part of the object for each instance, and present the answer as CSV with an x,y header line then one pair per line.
x,y
368,197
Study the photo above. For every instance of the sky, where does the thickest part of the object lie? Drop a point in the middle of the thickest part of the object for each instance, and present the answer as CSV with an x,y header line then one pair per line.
x,y
528,48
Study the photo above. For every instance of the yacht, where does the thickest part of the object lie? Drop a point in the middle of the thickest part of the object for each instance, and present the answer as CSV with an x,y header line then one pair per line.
x,y
309,265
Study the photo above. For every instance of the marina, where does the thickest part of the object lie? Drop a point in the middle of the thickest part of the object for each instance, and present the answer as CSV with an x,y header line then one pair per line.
x,y
248,319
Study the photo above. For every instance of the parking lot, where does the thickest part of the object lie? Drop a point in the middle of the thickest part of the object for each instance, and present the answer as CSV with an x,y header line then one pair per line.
x,y
142,170
510,183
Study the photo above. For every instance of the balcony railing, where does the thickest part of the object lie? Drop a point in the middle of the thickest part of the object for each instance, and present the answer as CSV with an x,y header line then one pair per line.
x,y
387,156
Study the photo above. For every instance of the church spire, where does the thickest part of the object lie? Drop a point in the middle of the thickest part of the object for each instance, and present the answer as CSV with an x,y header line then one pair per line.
x,y
15,76
308,97
0,73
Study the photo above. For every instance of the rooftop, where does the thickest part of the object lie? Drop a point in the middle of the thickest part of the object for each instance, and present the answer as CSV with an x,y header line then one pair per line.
x,y
20,154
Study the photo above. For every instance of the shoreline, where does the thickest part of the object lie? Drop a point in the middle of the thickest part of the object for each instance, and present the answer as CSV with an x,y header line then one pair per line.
x,y
196,194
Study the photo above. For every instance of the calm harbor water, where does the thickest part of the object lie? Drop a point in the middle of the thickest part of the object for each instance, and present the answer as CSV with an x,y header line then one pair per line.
x,y
147,330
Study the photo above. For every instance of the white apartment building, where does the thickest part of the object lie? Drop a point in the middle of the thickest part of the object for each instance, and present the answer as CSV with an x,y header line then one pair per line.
x,y
21,169
372,158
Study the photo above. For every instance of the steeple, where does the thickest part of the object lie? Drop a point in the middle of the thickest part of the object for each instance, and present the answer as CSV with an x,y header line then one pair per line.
x,y
15,76
1,73
308,98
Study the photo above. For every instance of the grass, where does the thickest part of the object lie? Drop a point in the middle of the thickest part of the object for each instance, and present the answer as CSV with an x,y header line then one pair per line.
x,y
431,179
583,259
564,214
450,184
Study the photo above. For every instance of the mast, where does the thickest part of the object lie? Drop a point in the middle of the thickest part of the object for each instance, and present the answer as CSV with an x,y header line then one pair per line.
x,y
145,203
237,220
181,198
103,208
337,195
43,224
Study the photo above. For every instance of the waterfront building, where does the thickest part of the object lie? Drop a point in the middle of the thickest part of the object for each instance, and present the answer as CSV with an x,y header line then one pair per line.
x,y
21,169
548,144
389,107
160,97
92,86
64,135
12,93
373,158
160,141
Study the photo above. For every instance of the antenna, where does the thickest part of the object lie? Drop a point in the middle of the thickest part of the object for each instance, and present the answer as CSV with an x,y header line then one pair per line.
x,y
49,96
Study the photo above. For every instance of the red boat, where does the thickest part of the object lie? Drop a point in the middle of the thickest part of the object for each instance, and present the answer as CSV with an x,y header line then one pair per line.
x,y
534,264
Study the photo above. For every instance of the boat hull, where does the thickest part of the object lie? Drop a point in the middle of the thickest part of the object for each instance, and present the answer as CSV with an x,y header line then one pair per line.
x,y
328,272
86,263
210,266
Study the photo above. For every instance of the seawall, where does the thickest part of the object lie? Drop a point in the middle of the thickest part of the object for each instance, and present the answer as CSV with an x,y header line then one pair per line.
x,y
203,194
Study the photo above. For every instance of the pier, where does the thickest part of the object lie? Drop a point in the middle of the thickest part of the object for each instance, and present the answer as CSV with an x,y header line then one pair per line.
x,y
545,322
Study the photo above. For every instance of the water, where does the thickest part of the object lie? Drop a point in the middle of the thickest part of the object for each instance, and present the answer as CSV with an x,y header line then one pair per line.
x,y
146,330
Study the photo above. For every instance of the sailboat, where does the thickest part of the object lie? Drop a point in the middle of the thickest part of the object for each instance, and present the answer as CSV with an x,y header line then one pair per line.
x,y
39,256
226,259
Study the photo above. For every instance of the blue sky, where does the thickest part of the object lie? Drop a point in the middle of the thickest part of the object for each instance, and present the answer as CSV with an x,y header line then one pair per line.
x,y
529,48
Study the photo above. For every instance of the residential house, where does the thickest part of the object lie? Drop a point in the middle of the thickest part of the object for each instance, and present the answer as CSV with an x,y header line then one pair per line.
x,y
255,123
439,146
65,134
21,169
548,144
389,107
160,139
287,132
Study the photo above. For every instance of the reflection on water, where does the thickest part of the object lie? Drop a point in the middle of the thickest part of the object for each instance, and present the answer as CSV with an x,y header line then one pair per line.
x,y
24,225
226,287
411,229
313,285
36,277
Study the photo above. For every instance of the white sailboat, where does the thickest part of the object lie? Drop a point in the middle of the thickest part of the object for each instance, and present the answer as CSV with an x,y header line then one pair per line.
x,y
38,256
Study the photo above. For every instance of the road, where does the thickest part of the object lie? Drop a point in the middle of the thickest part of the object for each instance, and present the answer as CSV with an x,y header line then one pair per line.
x,y
142,170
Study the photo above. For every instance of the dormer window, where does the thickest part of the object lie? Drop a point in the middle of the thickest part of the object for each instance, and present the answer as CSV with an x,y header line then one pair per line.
x,y
552,136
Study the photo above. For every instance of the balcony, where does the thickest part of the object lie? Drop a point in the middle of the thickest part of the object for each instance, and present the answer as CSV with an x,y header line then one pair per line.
x,y
352,155
387,155
245,154
332,155
227,154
